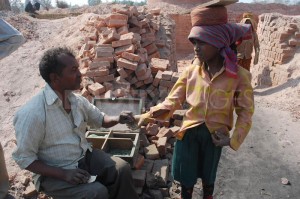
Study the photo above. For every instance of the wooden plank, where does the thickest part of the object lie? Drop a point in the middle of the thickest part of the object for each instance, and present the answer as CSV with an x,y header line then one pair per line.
x,y
217,3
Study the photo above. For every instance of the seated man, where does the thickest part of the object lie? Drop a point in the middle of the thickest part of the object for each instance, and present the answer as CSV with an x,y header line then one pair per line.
x,y
50,131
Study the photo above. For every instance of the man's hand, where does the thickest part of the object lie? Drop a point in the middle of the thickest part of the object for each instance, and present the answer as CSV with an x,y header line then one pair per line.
x,y
126,117
220,139
76,176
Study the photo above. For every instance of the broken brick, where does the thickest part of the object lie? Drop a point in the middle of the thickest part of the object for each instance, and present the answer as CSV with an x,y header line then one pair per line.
x,y
151,152
161,146
122,49
124,63
165,132
139,177
131,56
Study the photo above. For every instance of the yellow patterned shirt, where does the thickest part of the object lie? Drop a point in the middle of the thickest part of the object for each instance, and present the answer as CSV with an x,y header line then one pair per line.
x,y
212,101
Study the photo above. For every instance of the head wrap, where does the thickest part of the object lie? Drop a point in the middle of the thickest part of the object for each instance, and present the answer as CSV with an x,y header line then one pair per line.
x,y
222,36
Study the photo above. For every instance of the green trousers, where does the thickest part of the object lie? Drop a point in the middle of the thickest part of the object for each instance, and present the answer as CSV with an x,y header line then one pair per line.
x,y
196,156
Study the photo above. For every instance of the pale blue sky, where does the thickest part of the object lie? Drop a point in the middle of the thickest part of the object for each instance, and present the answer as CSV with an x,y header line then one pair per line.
x,y
84,2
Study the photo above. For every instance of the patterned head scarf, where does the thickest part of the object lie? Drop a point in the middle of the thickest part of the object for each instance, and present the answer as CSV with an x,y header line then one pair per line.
x,y
222,36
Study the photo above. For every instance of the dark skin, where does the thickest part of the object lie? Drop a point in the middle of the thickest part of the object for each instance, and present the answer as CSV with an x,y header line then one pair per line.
x,y
63,84
214,62
210,55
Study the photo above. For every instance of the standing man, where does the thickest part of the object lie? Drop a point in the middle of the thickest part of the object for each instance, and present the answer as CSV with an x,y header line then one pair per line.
x,y
10,40
246,44
50,131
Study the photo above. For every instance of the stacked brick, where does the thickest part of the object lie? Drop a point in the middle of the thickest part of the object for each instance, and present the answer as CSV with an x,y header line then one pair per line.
x,y
279,39
152,168
121,55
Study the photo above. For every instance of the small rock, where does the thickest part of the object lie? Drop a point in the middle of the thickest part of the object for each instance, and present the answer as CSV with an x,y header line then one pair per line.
x,y
285,181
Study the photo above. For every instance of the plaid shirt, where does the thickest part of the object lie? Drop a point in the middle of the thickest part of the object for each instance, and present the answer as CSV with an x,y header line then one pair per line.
x,y
46,132
212,101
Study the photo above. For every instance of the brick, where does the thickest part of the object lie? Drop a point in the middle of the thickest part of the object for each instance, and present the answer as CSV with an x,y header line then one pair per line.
x,y
175,129
177,123
175,77
135,30
108,86
150,89
117,20
165,132
107,78
128,48
122,73
104,48
112,36
139,177
97,73
124,63
155,26
83,71
135,37
133,10
133,21
123,42
158,64
139,162
133,80
151,152
99,64
84,62
122,30
152,129
108,94
161,171
145,22
139,84
143,57
141,70
149,80
156,55
119,93
161,146
148,165
160,43
157,78
145,76
129,72
121,10
167,84
148,37
96,89
167,75
130,56
294,42
100,59
144,140
151,49
155,11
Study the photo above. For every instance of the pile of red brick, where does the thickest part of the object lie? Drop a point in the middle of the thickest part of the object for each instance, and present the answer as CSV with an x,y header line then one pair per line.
x,y
121,56
152,168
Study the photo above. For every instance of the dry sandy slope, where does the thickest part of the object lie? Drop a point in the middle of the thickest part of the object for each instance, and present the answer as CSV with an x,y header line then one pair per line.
x,y
271,150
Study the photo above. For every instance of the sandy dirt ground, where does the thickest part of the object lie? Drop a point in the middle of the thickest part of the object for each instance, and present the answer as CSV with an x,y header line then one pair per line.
x,y
269,153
